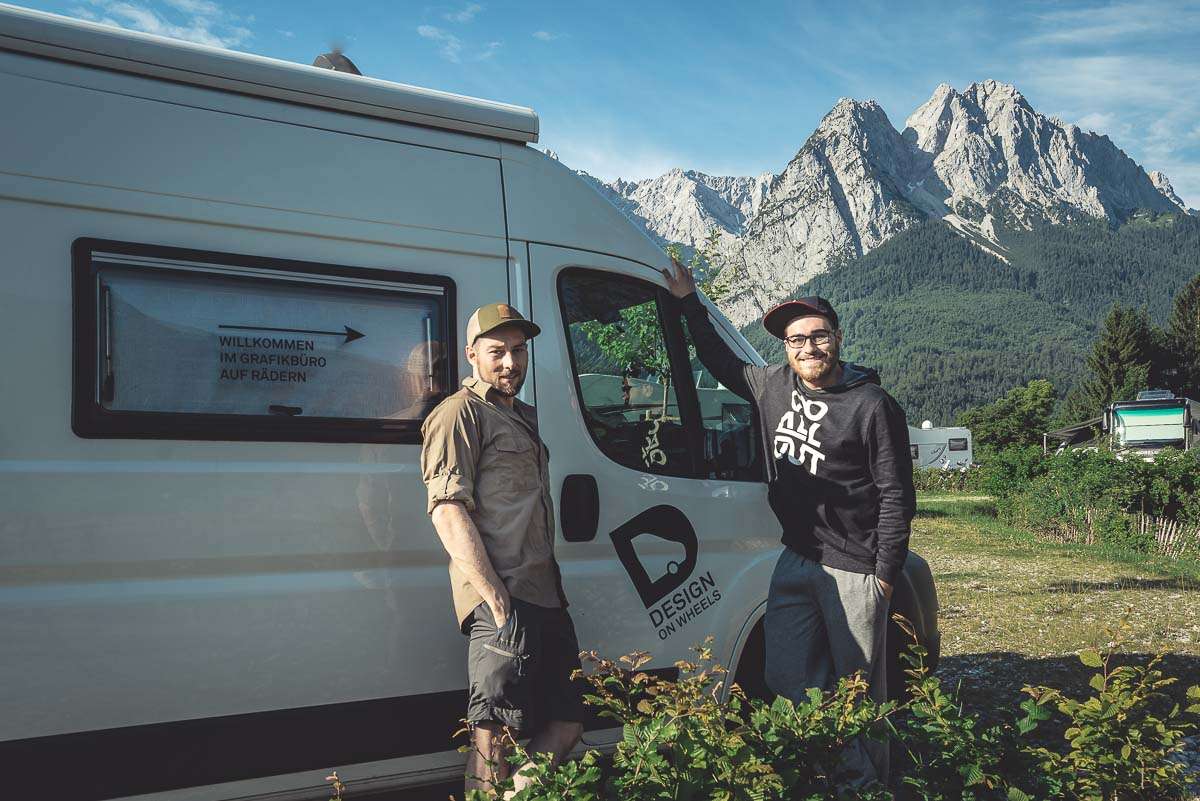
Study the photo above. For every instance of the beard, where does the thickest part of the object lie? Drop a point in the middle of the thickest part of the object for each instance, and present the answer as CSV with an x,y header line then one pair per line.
x,y
812,369
507,384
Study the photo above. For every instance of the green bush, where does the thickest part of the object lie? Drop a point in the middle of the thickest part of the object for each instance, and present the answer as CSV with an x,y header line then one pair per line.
x,y
1173,486
1118,743
1079,496
1007,472
1092,496
933,479
687,739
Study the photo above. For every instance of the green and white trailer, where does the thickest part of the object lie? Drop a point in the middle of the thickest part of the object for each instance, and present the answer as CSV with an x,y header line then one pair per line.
x,y
1154,421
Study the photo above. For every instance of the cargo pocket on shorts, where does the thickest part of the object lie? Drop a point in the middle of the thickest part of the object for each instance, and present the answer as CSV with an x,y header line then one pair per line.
x,y
501,679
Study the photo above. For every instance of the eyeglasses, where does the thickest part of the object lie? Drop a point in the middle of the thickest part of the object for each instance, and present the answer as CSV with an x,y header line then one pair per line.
x,y
818,338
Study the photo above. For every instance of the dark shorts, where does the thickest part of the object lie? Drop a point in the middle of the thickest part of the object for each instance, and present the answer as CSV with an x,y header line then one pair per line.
x,y
520,676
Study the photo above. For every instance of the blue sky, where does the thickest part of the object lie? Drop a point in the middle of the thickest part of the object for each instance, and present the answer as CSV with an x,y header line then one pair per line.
x,y
633,89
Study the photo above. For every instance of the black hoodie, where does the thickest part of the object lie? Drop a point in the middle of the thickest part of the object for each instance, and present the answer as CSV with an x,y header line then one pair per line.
x,y
838,463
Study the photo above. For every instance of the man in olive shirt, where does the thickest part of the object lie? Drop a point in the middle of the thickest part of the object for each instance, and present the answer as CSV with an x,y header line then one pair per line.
x,y
486,471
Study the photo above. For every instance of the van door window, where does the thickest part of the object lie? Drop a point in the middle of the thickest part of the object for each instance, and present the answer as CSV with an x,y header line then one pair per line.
x,y
730,439
625,374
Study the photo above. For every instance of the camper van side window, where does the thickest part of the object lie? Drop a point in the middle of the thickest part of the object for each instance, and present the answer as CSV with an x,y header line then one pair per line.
x,y
914,451
626,375
186,345
958,443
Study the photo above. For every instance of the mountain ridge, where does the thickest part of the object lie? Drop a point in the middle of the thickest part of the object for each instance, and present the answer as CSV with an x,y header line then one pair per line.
x,y
982,161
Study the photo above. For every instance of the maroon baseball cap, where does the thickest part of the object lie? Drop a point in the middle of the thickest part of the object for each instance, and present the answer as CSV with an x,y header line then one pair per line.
x,y
777,319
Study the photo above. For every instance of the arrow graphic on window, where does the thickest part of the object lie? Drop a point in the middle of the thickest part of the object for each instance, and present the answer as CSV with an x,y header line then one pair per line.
x,y
349,333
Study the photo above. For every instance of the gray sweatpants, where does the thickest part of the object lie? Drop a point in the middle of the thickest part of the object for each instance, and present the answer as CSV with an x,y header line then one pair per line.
x,y
821,624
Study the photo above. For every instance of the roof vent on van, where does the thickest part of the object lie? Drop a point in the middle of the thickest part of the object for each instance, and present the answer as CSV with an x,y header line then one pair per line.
x,y
336,61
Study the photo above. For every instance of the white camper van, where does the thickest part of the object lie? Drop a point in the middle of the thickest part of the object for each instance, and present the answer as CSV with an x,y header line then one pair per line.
x,y
232,287
940,447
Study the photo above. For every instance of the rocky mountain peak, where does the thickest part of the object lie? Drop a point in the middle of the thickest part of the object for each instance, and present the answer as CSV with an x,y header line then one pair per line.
x,y
993,96
1163,185
683,206
842,195
854,114
981,160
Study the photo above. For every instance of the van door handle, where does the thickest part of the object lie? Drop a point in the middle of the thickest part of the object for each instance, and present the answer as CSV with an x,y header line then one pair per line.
x,y
579,505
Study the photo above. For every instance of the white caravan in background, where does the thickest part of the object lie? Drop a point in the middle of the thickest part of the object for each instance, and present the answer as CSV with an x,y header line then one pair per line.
x,y
945,447
233,288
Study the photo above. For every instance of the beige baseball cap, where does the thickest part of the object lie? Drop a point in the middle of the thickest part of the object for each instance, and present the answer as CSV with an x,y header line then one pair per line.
x,y
494,315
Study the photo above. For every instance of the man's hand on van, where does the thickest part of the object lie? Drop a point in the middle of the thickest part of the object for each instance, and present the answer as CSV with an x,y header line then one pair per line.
x,y
680,280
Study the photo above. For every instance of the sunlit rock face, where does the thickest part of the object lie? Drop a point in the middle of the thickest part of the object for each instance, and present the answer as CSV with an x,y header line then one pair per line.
x,y
981,160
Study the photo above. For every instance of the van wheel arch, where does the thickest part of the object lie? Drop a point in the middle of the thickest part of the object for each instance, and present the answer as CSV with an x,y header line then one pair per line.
x,y
750,673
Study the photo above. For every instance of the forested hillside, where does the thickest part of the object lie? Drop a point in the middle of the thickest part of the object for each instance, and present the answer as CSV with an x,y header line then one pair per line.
x,y
950,326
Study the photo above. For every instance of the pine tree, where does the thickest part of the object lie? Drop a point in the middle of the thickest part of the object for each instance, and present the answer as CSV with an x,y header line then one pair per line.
x,y
1120,362
1183,340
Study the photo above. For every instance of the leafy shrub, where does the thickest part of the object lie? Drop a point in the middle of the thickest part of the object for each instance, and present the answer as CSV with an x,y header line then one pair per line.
x,y
932,479
687,739
1008,472
1091,496
1173,486
1117,743
951,756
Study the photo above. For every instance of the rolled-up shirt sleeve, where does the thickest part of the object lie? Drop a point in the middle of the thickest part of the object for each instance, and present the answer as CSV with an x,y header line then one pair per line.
x,y
449,452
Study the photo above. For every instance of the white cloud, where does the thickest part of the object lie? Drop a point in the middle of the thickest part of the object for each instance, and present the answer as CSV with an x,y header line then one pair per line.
x,y
1096,121
1096,24
202,8
287,34
453,49
464,14
451,45
488,51
200,21
546,36
612,157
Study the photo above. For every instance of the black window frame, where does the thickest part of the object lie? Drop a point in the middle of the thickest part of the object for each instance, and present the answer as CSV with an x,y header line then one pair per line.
x,y
953,441
757,469
673,339
914,450
90,420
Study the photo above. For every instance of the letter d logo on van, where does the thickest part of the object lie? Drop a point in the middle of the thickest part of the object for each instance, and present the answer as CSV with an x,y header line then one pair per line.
x,y
666,523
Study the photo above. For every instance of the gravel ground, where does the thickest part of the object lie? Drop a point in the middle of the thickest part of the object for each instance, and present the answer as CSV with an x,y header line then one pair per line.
x,y
1191,757
1015,612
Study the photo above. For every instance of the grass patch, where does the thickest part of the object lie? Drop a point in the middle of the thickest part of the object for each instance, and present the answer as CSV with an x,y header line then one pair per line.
x,y
1015,610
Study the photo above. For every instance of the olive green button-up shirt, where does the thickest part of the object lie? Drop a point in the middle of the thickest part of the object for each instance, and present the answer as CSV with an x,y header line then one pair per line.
x,y
491,459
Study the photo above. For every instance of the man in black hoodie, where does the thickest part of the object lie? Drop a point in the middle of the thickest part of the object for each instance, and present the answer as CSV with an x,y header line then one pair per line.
x,y
840,481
